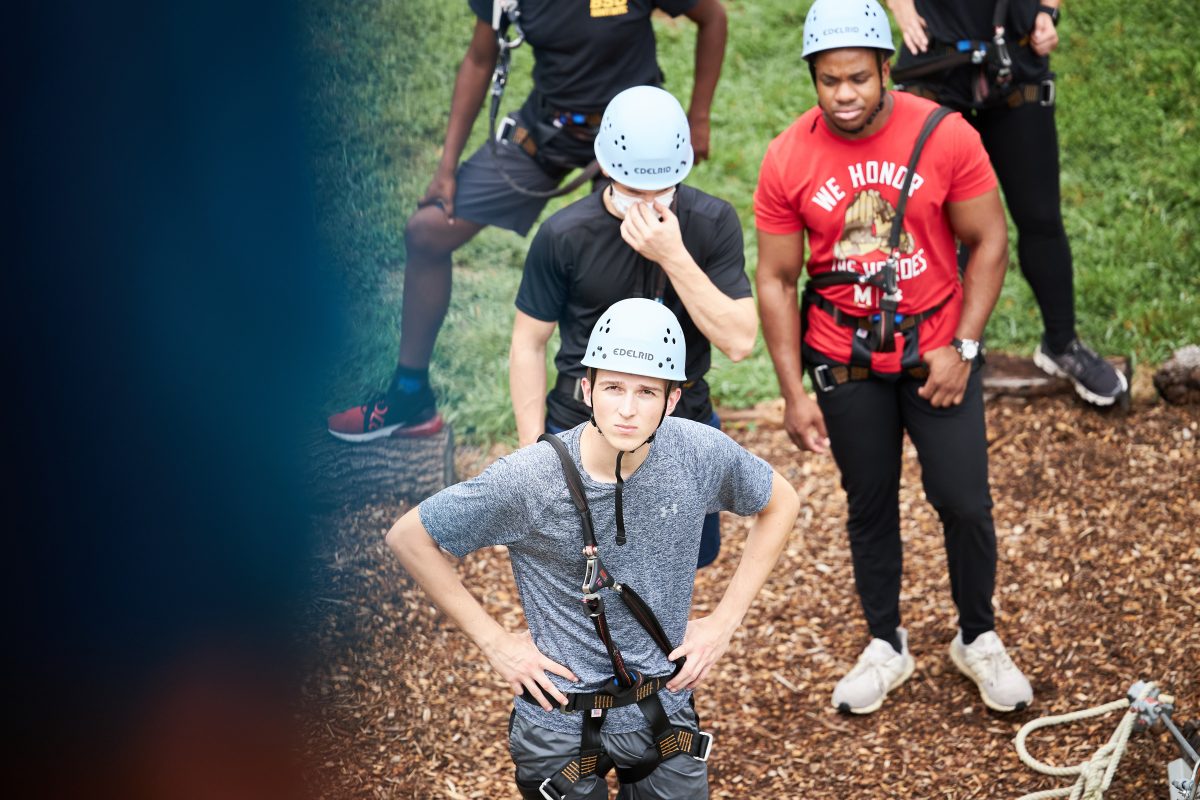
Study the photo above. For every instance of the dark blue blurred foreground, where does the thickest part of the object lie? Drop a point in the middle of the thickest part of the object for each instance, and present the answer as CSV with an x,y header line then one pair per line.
x,y
167,326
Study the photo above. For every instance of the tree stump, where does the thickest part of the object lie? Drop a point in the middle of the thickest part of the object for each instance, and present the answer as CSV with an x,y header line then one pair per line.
x,y
1178,380
393,469
1006,375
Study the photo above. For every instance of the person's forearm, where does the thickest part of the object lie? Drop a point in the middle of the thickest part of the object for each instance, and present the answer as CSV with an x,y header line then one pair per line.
x,y
421,557
764,544
982,282
710,53
527,385
781,331
470,88
729,324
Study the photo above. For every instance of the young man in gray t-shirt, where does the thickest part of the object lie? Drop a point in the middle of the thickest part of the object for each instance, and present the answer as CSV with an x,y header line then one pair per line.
x,y
648,483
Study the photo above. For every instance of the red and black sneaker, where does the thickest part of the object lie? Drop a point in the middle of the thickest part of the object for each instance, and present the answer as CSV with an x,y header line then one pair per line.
x,y
394,414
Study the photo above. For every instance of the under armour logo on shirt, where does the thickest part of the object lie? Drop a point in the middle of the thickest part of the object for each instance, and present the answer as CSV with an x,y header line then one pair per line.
x,y
673,509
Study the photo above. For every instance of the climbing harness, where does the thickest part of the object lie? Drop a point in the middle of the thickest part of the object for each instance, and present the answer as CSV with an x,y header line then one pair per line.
x,y
510,129
628,686
875,333
993,61
1147,706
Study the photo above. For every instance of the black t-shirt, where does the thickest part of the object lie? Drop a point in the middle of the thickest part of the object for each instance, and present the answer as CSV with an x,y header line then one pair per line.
x,y
587,51
578,265
950,21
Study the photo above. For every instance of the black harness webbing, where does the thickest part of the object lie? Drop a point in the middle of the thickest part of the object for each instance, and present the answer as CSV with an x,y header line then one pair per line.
x,y
993,60
627,686
520,135
876,333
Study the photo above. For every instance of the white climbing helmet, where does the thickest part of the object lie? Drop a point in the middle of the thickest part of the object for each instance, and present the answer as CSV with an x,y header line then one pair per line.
x,y
645,141
640,337
833,24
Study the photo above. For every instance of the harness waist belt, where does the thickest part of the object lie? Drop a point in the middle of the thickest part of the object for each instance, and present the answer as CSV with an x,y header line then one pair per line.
x,y
867,323
1043,93
610,696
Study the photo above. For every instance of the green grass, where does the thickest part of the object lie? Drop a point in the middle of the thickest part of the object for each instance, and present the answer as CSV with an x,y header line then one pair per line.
x,y
381,77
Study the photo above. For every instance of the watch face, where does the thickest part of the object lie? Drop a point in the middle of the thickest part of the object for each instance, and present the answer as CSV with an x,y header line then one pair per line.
x,y
968,349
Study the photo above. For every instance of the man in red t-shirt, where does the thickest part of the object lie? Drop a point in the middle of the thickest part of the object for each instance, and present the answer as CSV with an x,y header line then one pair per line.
x,y
836,176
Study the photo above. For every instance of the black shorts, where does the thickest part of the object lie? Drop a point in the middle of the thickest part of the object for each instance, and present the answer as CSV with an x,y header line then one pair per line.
x,y
485,197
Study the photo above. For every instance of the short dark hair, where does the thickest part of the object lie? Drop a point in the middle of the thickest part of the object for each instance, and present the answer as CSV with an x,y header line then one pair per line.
x,y
880,57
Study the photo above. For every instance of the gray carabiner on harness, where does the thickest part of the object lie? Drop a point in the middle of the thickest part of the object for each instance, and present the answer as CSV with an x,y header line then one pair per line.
x,y
510,9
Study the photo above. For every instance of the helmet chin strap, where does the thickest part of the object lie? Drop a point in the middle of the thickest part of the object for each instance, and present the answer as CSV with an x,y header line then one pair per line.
x,y
621,481
873,114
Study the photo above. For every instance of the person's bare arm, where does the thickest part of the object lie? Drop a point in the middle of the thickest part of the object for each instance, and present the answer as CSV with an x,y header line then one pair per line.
x,y
980,225
730,324
707,638
527,375
713,30
470,88
780,265
513,655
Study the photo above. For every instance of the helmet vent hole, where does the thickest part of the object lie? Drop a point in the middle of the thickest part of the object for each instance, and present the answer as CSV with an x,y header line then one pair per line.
x,y
668,358
672,341
664,340
604,355
660,365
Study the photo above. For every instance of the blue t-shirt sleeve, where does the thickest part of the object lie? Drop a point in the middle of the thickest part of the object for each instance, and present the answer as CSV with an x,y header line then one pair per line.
x,y
741,482
487,510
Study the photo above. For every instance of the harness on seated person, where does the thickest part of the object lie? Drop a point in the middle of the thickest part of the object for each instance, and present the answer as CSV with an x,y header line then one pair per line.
x,y
994,75
627,685
578,124
875,333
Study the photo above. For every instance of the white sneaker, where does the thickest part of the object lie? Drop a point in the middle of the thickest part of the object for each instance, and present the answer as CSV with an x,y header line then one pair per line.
x,y
879,670
985,661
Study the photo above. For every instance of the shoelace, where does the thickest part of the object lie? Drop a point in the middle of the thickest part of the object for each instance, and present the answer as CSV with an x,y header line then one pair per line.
x,y
991,663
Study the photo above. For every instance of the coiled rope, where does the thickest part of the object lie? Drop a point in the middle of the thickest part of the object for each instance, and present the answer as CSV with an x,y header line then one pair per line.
x,y
1096,773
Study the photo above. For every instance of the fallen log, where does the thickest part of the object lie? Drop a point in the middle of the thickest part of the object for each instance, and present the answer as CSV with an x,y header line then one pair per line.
x,y
1178,380
391,469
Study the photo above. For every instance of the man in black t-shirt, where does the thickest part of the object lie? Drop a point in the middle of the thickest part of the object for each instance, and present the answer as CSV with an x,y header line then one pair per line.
x,y
1014,115
584,52
646,235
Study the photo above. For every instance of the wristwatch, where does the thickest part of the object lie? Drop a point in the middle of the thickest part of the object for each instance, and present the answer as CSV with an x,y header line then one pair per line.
x,y
1051,10
967,348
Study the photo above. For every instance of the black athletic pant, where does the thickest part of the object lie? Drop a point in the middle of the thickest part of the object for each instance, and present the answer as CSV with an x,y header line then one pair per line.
x,y
1023,145
866,421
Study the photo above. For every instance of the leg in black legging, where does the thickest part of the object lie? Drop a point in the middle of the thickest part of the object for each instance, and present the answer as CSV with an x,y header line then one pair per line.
x,y
1023,145
863,420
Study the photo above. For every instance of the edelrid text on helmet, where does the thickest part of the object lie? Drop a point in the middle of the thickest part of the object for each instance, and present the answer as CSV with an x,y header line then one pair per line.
x,y
645,141
834,24
638,337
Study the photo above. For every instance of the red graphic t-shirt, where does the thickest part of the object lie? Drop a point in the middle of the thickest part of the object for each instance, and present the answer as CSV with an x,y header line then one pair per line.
x,y
843,193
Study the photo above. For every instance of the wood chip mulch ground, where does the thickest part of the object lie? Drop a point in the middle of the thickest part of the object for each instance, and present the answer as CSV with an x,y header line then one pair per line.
x,y
1098,585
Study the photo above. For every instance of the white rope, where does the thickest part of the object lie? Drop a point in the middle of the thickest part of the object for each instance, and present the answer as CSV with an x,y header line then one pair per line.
x,y
1095,774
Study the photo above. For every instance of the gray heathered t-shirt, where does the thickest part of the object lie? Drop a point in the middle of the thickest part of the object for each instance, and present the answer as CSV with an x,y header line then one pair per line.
x,y
522,501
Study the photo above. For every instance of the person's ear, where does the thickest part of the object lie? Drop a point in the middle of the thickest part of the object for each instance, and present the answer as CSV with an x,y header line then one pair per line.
x,y
673,400
586,387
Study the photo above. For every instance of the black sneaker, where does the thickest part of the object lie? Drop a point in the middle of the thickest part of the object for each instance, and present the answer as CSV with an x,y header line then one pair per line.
x,y
394,414
1096,380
